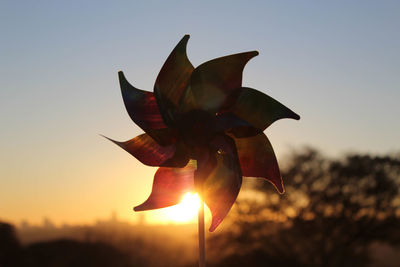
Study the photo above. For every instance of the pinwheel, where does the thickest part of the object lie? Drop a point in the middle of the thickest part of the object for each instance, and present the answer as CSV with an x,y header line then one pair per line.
x,y
203,130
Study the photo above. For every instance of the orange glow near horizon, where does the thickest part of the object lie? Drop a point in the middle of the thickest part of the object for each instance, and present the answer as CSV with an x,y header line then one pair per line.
x,y
185,211
182,213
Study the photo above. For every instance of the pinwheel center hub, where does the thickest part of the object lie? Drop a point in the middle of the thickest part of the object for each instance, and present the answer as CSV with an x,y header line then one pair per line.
x,y
196,128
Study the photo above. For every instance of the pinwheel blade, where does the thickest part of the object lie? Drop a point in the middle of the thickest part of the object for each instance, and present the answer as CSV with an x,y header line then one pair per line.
x,y
222,183
172,80
143,109
230,123
213,82
259,109
169,185
180,157
150,153
257,159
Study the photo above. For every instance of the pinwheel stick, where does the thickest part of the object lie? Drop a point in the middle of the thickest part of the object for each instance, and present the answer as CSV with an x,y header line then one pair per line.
x,y
202,243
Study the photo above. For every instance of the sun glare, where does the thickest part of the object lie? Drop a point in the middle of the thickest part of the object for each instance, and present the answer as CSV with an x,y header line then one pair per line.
x,y
185,211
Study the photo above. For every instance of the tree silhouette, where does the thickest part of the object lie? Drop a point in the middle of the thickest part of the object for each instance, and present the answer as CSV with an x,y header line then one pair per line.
x,y
332,213
9,246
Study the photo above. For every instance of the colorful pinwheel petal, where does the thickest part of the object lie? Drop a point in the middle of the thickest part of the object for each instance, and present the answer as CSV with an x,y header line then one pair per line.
x,y
204,130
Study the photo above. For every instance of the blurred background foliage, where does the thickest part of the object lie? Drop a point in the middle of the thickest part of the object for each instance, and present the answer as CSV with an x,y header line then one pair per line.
x,y
335,212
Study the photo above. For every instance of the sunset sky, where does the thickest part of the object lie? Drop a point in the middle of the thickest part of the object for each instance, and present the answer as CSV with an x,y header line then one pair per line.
x,y
336,63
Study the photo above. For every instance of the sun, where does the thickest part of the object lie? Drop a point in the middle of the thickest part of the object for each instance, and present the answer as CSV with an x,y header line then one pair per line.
x,y
185,211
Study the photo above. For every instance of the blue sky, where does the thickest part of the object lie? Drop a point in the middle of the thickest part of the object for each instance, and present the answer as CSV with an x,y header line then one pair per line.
x,y
335,63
